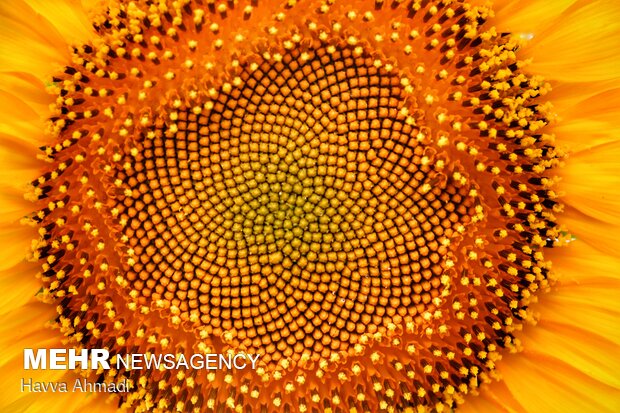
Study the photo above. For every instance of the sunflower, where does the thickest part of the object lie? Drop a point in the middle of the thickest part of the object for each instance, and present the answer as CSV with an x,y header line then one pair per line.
x,y
400,206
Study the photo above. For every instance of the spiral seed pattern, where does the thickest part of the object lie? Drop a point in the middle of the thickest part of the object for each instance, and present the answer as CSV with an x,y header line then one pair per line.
x,y
361,193
302,211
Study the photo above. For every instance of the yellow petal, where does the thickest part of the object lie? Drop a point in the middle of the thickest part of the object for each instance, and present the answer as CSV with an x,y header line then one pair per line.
x,y
28,88
591,182
23,327
589,230
19,123
28,41
572,352
69,17
15,243
587,122
20,286
543,384
531,17
587,352
580,45
493,398
586,292
35,35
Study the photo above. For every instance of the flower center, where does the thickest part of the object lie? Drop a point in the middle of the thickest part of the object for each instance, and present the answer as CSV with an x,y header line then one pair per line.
x,y
360,194
302,211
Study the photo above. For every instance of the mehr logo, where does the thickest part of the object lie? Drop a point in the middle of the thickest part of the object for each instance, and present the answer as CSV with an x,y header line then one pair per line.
x,y
63,359
69,359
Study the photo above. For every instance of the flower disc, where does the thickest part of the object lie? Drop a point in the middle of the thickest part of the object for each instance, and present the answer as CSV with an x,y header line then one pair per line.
x,y
359,193
303,210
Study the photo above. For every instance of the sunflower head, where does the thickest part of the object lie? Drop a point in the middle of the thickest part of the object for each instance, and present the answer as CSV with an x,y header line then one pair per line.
x,y
361,193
